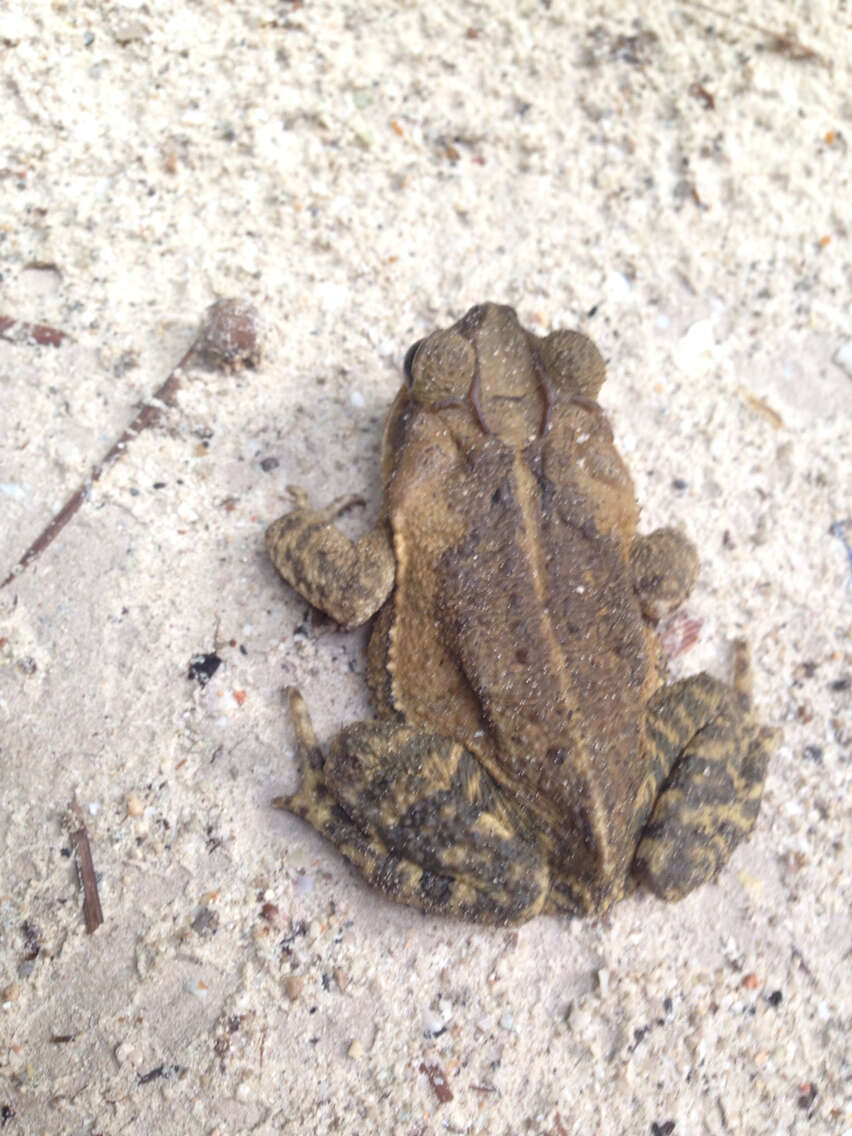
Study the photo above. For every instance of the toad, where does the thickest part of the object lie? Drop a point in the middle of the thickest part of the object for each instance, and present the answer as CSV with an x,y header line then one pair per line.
x,y
526,754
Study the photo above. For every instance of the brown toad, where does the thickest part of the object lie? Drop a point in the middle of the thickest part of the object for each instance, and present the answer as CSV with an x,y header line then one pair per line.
x,y
526,757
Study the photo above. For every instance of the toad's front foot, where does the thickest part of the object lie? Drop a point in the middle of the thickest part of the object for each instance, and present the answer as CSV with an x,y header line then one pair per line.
x,y
348,580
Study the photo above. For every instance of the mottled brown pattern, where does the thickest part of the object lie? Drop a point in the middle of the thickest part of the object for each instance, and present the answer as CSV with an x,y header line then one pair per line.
x,y
526,757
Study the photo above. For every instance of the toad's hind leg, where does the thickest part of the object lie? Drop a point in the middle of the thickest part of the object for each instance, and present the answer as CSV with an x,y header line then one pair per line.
x,y
708,764
420,819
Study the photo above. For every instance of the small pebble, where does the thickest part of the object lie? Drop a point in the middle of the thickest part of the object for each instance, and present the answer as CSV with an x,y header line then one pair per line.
x,y
579,1019
273,916
433,1022
10,993
618,286
693,351
130,31
356,1050
197,987
134,805
231,337
314,930
205,923
293,986
127,1053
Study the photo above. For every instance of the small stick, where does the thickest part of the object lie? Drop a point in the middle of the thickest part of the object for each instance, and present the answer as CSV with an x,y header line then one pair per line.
x,y
783,43
229,336
17,331
147,416
438,1080
92,912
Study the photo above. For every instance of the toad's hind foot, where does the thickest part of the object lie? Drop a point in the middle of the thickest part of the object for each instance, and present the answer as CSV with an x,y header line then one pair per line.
x,y
709,762
311,801
419,818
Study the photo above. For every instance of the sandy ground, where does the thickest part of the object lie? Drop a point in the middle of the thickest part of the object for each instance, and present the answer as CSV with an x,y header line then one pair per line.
x,y
671,178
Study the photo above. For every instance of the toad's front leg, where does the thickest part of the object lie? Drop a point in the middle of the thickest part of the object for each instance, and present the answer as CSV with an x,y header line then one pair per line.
x,y
420,819
664,566
348,580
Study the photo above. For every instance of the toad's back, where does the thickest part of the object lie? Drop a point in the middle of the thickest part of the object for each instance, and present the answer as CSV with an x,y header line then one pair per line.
x,y
516,629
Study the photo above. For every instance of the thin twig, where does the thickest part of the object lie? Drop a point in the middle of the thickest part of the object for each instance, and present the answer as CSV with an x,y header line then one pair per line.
x,y
437,1079
92,912
229,337
148,416
783,43
18,331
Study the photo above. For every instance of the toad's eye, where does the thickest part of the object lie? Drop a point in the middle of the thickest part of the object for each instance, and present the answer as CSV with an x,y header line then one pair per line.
x,y
408,365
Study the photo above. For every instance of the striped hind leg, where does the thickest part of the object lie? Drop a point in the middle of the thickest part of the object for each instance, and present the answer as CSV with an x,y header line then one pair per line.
x,y
420,818
708,762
